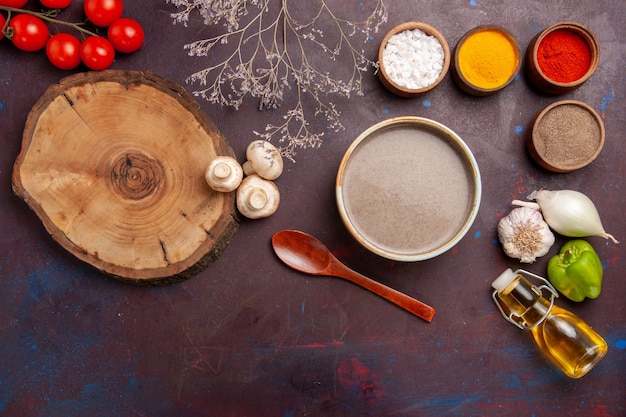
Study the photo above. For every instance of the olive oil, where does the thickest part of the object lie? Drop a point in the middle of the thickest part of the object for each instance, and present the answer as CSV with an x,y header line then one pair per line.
x,y
562,336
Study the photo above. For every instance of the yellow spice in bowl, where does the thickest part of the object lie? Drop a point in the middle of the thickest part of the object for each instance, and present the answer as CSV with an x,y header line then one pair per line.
x,y
488,58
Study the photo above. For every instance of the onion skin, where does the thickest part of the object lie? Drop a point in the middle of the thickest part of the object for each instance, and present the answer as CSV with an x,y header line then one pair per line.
x,y
568,212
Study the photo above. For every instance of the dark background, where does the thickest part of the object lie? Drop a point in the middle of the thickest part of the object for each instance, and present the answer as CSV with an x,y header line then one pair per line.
x,y
250,337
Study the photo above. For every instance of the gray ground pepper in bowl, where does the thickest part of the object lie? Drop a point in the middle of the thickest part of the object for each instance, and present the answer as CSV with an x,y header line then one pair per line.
x,y
566,136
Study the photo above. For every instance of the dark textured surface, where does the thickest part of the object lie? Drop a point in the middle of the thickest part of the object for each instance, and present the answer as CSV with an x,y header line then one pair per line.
x,y
249,336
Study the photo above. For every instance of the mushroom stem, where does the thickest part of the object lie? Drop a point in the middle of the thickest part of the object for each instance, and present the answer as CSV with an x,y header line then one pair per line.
x,y
257,199
222,170
224,174
247,168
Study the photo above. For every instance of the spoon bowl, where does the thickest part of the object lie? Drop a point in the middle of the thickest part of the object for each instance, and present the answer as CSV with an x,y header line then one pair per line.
x,y
302,251
307,254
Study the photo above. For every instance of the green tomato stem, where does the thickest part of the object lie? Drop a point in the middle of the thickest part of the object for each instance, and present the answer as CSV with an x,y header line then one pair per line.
x,y
48,16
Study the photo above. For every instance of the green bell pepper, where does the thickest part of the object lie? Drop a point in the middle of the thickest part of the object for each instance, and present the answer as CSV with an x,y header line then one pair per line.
x,y
576,271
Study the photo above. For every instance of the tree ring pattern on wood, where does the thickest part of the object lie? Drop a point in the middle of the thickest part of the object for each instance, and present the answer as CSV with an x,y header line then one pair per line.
x,y
135,176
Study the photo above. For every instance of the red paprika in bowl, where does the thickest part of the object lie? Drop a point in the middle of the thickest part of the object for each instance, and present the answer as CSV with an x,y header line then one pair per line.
x,y
562,57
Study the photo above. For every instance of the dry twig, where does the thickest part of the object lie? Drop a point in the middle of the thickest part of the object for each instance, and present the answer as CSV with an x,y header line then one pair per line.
x,y
268,45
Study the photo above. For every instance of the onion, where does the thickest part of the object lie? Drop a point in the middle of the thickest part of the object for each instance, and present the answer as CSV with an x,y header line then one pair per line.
x,y
567,212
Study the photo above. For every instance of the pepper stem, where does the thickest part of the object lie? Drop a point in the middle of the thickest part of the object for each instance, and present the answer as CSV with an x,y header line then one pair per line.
x,y
569,257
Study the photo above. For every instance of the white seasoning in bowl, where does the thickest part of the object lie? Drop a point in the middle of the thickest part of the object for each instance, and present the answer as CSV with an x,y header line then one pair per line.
x,y
413,59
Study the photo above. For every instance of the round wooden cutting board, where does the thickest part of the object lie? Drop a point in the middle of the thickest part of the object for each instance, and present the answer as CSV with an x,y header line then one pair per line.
x,y
113,164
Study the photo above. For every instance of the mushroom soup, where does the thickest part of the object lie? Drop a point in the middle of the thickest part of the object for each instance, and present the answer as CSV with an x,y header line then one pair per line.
x,y
409,189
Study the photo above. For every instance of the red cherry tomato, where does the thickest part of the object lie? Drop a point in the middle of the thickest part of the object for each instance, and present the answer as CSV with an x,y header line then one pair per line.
x,y
63,51
18,4
97,53
126,35
103,12
55,4
3,20
30,33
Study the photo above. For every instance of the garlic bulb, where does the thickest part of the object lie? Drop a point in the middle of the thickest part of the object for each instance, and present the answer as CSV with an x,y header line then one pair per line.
x,y
524,234
569,213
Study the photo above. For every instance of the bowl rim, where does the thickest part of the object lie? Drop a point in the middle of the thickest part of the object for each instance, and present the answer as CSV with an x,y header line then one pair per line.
x,y
482,28
382,72
446,134
550,165
592,42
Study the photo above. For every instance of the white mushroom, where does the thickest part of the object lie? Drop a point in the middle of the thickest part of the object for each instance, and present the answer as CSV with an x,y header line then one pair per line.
x,y
257,197
263,159
224,174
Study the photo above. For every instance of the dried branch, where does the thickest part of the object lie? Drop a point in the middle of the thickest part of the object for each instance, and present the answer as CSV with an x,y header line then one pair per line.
x,y
266,44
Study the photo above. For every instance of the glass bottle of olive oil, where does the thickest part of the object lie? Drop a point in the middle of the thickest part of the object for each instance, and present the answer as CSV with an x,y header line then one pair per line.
x,y
562,336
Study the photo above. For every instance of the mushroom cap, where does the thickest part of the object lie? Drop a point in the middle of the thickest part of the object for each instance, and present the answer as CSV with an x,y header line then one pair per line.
x,y
257,197
224,174
263,159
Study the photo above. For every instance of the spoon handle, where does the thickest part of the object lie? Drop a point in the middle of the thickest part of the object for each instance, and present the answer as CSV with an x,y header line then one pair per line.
x,y
421,310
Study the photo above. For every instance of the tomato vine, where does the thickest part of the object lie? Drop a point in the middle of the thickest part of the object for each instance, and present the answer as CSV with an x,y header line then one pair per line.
x,y
28,31
48,16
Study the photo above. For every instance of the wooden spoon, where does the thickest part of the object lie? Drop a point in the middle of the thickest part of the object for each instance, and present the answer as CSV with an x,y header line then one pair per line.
x,y
306,254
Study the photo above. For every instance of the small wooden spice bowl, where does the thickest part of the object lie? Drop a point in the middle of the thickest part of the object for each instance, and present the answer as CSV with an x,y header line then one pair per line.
x,y
495,68
540,80
393,85
566,135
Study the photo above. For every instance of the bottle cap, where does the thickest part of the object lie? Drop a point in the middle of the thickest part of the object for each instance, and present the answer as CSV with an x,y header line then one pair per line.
x,y
503,280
